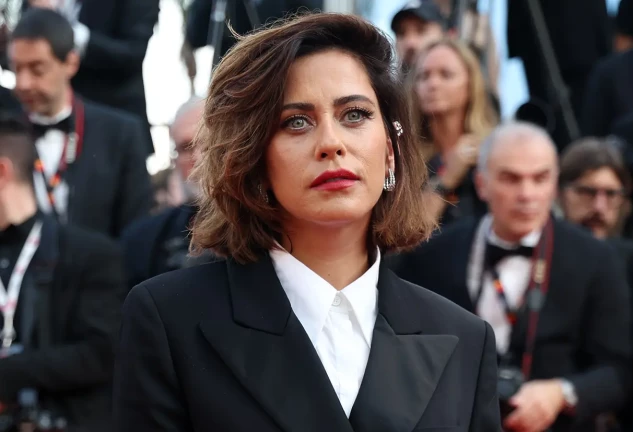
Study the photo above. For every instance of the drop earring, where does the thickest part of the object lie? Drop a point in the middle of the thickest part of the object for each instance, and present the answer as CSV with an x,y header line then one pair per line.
x,y
390,181
262,193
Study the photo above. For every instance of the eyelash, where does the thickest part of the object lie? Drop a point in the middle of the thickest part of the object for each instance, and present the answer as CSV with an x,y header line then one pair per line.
x,y
367,113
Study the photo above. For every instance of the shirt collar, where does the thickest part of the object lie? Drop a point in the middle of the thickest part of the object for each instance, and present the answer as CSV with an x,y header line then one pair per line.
x,y
311,296
45,120
530,240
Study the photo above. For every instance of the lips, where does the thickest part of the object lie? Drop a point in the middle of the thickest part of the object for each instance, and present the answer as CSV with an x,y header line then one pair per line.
x,y
333,176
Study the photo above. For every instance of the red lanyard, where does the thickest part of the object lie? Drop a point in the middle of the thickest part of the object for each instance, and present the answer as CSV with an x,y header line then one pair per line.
x,y
534,295
73,143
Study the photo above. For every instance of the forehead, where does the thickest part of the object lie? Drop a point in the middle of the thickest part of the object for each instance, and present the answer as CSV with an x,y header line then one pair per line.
x,y
522,155
604,176
327,75
442,56
30,50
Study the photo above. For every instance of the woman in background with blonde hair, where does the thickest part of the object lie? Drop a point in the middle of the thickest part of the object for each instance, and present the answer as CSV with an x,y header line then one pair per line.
x,y
453,113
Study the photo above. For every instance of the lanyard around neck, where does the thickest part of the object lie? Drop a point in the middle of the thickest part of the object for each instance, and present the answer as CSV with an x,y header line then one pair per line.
x,y
9,295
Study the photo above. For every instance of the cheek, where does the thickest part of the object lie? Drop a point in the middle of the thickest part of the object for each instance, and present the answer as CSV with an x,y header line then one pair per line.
x,y
285,165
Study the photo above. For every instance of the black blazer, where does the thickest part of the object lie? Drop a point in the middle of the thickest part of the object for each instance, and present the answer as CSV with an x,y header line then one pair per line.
x,y
109,183
583,332
217,347
78,275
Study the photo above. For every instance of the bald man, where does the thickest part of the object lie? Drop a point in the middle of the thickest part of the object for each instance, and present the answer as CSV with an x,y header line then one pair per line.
x,y
520,270
160,243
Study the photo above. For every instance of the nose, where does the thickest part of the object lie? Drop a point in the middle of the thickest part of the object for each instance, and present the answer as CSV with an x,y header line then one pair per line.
x,y
23,81
330,144
600,202
526,190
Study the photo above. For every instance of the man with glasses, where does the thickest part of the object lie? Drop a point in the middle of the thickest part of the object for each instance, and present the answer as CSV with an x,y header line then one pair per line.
x,y
594,183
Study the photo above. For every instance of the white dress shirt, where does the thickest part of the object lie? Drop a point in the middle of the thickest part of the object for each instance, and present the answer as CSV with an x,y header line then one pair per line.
x,y
514,273
340,324
50,148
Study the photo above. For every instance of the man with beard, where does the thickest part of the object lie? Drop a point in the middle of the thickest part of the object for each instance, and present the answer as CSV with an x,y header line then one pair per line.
x,y
594,183
555,296
160,243
417,25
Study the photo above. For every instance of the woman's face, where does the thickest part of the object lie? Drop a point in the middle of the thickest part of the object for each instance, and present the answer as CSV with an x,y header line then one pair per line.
x,y
441,82
329,158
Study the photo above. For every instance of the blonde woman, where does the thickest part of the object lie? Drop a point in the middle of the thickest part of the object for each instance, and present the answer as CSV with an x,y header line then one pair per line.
x,y
453,112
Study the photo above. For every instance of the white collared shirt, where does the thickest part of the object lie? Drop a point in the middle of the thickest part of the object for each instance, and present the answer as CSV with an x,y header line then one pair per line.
x,y
50,148
340,324
514,273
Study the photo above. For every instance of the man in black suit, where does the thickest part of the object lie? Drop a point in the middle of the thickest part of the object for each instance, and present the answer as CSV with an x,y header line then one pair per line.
x,y
112,37
160,243
91,168
577,312
64,305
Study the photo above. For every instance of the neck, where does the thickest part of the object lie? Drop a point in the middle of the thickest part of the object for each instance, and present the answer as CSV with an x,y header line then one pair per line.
x,y
63,103
446,131
16,206
338,255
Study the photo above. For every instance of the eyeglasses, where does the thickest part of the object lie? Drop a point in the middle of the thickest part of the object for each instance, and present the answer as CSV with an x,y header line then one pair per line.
x,y
614,197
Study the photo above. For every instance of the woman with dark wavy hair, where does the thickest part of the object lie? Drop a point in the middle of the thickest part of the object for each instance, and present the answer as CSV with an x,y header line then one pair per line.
x,y
309,176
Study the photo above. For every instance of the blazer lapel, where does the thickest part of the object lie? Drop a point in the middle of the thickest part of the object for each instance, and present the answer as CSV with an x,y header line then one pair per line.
x,y
405,362
269,352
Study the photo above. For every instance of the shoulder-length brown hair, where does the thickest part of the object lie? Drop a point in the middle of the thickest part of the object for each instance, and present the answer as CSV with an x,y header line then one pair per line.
x,y
242,114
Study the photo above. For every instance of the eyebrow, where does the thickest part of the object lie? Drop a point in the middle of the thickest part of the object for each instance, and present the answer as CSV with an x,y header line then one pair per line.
x,y
305,106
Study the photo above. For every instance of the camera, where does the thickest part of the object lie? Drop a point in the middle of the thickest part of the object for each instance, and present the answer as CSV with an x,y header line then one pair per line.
x,y
509,381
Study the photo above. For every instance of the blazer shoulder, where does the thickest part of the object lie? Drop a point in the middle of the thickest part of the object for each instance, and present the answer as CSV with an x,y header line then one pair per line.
x,y
185,286
110,114
84,241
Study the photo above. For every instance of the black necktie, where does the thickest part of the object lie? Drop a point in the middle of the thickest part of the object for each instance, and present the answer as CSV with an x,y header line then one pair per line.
x,y
62,126
494,253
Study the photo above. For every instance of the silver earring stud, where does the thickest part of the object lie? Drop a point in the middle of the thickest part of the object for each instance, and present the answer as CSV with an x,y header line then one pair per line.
x,y
398,128
390,181
262,193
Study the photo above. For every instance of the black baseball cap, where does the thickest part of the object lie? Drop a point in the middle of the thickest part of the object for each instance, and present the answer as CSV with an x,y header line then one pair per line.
x,y
426,10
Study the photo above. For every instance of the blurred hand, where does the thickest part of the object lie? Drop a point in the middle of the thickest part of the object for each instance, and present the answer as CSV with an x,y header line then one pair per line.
x,y
537,405
460,160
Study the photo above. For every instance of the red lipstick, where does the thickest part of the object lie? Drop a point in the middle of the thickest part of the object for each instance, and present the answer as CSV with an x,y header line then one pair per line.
x,y
334,180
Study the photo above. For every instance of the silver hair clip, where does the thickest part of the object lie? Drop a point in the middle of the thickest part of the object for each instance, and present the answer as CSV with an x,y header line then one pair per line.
x,y
398,127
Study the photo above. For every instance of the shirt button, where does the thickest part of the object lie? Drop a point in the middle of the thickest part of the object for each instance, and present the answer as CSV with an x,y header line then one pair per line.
x,y
337,301
4,263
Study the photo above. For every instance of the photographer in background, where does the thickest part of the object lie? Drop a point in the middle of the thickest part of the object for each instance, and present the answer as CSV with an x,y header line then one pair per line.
x,y
61,292
556,297
160,243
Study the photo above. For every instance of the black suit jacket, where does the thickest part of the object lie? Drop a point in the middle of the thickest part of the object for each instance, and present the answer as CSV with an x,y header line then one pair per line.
x,y
609,94
584,327
78,277
157,244
199,14
217,347
111,69
109,183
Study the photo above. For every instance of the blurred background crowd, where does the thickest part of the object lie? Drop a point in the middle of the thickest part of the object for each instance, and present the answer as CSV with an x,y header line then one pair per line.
x,y
100,101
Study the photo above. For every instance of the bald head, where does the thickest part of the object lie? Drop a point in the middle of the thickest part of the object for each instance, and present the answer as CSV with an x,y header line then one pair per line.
x,y
514,134
185,124
517,176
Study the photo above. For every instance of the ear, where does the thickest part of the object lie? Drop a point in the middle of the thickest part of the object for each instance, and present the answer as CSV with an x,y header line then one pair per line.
x,y
481,185
390,159
7,172
72,64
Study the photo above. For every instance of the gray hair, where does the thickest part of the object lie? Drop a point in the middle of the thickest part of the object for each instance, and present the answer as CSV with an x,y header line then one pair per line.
x,y
517,130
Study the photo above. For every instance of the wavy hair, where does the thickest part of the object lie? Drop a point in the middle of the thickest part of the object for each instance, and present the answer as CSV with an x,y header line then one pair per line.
x,y
241,116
